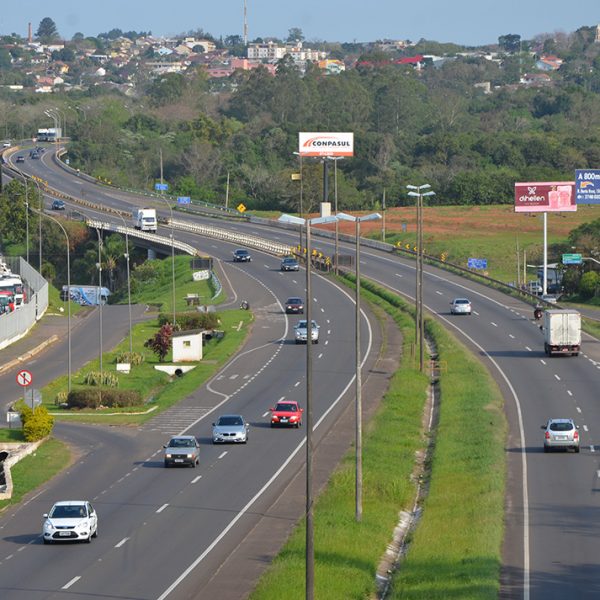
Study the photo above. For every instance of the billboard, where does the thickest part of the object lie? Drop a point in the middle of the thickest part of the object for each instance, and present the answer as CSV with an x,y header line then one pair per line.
x,y
545,196
587,182
325,144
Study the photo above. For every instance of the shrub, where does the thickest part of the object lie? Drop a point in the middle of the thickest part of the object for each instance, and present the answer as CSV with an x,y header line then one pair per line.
x,y
191,320
38,425
161,342
25,411
101,378
133,358
96,398
588,285
61,398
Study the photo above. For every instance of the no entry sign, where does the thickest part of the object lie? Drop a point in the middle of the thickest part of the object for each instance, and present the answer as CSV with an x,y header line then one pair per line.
x,y
24,378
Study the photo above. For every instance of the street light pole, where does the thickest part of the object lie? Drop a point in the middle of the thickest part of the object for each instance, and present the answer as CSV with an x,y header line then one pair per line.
x,y
41,211
128,284
68,292
419,320
26,212
100,291
358,355
309,541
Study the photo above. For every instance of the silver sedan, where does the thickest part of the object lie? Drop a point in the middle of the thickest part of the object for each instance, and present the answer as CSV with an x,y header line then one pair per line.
x,y
230,429
561,433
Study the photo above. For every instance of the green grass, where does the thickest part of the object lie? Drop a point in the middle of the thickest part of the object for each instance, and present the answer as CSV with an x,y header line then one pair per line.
x,y
155,387
455,549
11,435
28,474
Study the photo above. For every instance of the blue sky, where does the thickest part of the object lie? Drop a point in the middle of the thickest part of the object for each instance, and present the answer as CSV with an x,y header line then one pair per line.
x,y
468,22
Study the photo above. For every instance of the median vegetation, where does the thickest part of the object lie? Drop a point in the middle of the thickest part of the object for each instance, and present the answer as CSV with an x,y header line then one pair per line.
x,y
455,548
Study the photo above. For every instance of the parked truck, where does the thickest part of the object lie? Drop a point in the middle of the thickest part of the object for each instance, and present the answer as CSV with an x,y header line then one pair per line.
x,y
562,332
86,295
144,219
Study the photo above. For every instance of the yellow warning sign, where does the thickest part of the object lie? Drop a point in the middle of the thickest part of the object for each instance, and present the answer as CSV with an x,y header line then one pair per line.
x,y
241,207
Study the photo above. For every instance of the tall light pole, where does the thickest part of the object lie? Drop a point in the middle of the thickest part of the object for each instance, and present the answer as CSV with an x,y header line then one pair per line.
x,y
128,284
41,211
419,321
358,449
301,208
68,292
310,547
335,210
172,232
26,211
100,291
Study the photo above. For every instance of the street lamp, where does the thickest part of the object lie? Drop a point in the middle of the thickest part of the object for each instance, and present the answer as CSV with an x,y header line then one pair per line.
x,y
99,265
310,549
359,478
301,193
419,334
172,232
41,210
128,284
335,210
26,211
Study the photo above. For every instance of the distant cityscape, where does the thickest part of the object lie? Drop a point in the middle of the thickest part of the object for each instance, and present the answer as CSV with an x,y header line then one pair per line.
x,y
127,60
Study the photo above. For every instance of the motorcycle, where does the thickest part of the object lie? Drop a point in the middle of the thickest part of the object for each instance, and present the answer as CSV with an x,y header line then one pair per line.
x,y
244,305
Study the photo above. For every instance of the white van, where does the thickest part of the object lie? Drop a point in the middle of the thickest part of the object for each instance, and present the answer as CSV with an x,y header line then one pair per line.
x,y
14,284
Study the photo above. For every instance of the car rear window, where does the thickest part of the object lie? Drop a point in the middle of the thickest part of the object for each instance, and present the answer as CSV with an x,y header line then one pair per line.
x,y
561,426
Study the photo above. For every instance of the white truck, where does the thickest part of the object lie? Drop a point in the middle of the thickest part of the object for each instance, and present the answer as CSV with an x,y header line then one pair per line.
x,y
144,219
562,332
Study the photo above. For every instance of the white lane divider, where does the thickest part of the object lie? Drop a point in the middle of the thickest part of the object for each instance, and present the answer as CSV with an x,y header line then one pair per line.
x,y
265,414
528,349
320,355
296,385
197,479
542,361
510,335
438,293
585,427
557,377
222,454
569,392
494,324
578,409
162,508
74,580
121,542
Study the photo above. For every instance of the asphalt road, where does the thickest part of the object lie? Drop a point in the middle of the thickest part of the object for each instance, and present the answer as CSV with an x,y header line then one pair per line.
x,y
551,542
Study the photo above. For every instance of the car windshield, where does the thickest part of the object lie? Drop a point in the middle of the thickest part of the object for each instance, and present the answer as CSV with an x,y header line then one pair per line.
x,y
461,301
302,325
286,408
561,426
223,421
181,443
74,511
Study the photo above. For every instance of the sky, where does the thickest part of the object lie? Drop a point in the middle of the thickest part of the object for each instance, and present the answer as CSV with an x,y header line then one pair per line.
x,y
465,22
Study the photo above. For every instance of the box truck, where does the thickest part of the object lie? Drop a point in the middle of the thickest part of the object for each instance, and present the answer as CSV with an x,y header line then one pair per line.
x,y
144,219
86,295
562,332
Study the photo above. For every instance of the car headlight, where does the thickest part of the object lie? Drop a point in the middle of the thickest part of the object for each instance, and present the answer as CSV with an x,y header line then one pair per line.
x,y
48,526
168,455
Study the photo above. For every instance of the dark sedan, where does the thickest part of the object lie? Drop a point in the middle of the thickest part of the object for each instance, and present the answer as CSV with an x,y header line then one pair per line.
x,y
294,306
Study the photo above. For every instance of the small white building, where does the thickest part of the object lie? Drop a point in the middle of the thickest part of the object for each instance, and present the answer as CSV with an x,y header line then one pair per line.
x,y
187,345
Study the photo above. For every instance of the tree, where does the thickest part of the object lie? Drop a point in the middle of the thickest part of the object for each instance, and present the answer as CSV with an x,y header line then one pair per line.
x,y
47,30
510,43
295,35
589,284
160,344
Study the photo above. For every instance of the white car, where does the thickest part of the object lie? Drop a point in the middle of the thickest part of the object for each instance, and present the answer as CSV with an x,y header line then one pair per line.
x,y
70,520
301,332
460,306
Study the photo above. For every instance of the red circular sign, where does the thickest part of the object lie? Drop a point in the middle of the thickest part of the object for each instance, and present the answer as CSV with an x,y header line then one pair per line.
x,y
24,378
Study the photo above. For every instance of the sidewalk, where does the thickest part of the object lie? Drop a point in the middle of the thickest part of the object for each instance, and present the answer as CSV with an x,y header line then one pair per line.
x,y
47,331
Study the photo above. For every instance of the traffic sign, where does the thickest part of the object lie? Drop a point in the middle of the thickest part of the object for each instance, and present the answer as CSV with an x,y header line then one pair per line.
x,y
241,207
572,259
184,200
24,378
587,186
161,187
477,263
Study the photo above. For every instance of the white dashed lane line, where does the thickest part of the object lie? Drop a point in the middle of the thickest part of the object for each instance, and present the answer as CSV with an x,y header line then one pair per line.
x,y
494,324
197,479
511,336
162,508
542,361
265,414
578,409
222,454
569,392
438,293
70,583
557,377
118,545
528,349
296,385
585,428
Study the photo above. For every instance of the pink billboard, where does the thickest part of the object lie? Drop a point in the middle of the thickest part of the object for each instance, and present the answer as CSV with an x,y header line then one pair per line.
x,y
547,196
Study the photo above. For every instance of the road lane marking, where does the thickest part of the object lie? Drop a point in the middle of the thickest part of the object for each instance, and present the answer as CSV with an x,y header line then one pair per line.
x,y
162,508
222,454
74,580
494,324
320,355
265,414
569,392
542,361
528,349
398,275
578,409
510,335
585,427
197,479
234,376
557,377
118,545
592,449
475,313
438,293
296,385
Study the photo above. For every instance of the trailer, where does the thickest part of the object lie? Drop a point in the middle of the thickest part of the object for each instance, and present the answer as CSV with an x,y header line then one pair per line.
x,y
562,332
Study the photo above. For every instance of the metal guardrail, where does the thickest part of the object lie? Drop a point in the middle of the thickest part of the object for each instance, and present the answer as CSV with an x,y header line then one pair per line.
x,y
251,241
151,237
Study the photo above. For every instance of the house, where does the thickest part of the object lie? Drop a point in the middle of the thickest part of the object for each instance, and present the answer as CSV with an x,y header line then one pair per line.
x,y
187,345
548,62
536,79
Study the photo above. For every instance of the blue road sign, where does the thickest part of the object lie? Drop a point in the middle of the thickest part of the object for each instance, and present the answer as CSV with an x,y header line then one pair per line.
x,y
161,187
184,200
477,263
587,186
572,259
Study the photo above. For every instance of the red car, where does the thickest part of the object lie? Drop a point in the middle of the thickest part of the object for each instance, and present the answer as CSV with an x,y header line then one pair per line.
x,y
286,413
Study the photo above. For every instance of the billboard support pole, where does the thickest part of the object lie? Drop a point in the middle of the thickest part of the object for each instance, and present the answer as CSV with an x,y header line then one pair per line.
x,y
545,278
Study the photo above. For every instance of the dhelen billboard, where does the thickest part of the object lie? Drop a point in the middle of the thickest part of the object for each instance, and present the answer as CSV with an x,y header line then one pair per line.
x,y
325,144
547,196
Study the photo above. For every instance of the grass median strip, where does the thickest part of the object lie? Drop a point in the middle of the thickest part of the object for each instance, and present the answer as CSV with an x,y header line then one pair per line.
x,y
455,549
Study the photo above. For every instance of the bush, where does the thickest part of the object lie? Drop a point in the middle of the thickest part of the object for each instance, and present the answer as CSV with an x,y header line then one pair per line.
x,y
101,378
133,358
25,411
38,425
191,320
589,284
96,398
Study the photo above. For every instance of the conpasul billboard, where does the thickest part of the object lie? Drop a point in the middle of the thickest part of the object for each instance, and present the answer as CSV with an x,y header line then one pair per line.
x,y
547,196
325,144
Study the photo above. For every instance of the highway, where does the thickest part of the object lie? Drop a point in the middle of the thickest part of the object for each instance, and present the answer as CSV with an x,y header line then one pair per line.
x,y
551,542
